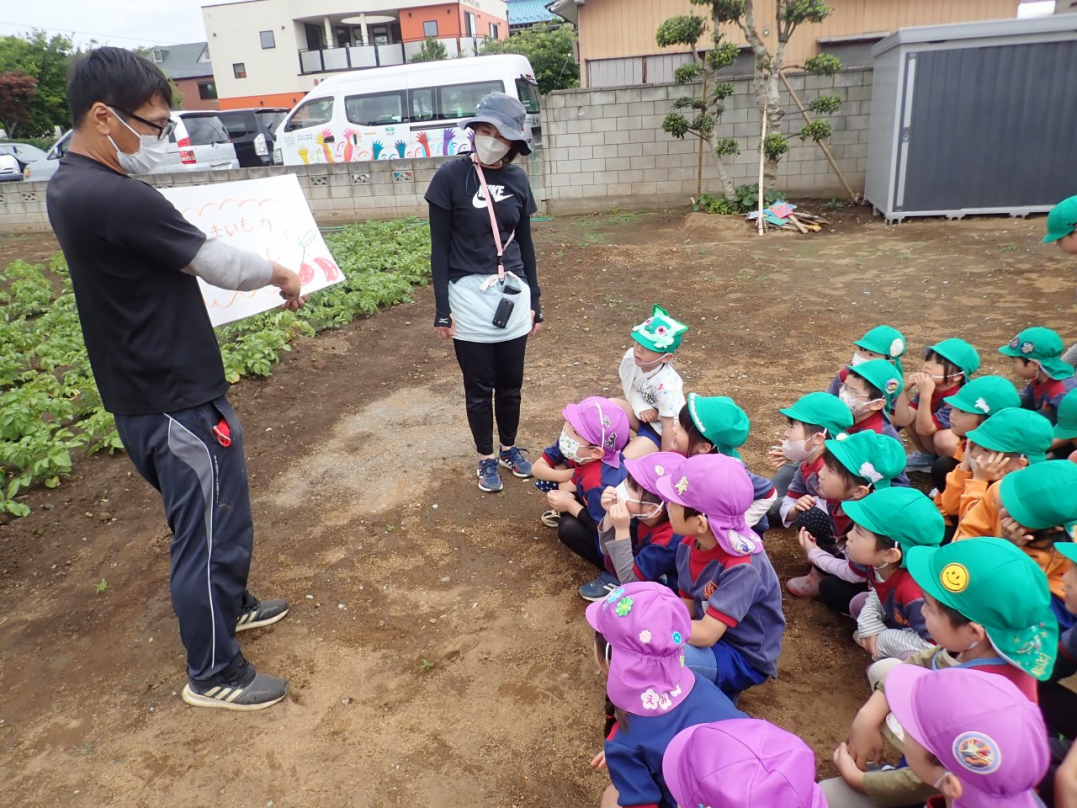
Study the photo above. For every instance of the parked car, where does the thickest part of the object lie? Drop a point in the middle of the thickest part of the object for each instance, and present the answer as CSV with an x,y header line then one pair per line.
x,y
199,143
252,131
23,152
10,171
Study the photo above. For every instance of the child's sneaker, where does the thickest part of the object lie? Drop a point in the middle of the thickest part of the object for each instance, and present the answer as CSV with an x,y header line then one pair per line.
x,y
513,459
489,476
551,518
919,461
599,588
806,586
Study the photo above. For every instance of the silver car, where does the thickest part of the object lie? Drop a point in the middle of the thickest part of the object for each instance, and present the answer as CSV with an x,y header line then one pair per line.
x,y
199,143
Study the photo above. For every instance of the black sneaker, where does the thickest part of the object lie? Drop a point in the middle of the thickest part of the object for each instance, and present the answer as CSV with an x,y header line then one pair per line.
x,y
260,692
262,613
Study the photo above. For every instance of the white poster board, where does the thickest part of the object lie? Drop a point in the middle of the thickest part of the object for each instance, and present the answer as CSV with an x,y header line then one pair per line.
x,y
268,216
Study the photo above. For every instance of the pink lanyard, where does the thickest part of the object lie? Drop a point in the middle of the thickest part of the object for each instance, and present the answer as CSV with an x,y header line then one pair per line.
x,y
493,221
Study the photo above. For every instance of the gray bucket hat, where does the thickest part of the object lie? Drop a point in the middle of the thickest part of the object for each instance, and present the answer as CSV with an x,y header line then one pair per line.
x,y
506,114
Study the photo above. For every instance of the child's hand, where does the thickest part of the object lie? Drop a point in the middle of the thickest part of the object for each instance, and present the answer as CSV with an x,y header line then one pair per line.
x,y
600,760
648,416
620,517
775,459
966,461
990,467
869,644
609,497
1014,532
807,540
805,503
922,382
847,768
560,501
865,742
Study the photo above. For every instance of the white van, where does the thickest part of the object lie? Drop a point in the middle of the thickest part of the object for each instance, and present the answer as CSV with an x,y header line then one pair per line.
x,y
404,111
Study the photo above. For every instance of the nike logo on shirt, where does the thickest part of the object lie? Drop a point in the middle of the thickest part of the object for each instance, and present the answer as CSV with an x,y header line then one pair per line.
x,y
479,200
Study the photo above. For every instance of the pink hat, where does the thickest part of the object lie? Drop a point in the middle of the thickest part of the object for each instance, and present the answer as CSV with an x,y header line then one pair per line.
x,y
717,486
647,625
741,763
648,469
979,726
601,423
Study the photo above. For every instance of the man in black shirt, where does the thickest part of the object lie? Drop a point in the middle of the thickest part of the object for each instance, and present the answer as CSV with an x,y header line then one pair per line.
x,y
133,261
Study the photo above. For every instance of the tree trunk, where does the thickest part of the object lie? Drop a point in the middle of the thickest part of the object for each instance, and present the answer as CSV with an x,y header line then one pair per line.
x,y
729,190
774,111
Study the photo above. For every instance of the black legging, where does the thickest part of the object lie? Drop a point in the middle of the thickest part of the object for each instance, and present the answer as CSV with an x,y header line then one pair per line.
x,y
580,535
492,371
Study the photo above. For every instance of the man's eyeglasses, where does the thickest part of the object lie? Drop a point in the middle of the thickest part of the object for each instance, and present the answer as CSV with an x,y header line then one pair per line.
x,y
162,131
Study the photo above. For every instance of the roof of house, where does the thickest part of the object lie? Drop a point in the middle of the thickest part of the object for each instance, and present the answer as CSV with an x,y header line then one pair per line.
x,y
183,61
526,12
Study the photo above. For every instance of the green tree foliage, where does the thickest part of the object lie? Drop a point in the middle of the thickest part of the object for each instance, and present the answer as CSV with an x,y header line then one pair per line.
x,y
46,59
431,51
551,50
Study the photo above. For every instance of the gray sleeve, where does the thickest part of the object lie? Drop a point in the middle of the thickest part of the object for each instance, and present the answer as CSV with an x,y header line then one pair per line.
x,y
870,620
228,267
620,552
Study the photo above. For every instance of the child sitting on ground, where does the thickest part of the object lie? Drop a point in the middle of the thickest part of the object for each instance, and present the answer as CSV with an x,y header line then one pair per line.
x,y
654,391
881,342
1008,441
1037,360
654,695
853,467
970,407
594,433
947,366
1066,426
1035,508
886,525
870,391
724,574
741,763
635,537
717,425
987,605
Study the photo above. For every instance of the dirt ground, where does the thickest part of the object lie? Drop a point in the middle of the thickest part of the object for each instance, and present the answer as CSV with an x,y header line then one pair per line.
x,y
436,647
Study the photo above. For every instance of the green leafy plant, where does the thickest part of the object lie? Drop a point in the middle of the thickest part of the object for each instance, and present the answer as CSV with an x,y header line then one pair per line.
x,y
101,587
708,203
816,131
550,48
824,64
426,665
432,51
747,198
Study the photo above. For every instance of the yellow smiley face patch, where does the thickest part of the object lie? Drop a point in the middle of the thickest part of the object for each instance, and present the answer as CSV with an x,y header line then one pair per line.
x,y
954,578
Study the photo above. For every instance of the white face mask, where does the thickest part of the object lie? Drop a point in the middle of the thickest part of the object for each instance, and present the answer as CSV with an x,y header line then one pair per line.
x,y
570,448
797,450
491,151
151,151
624,496
857,360
855,405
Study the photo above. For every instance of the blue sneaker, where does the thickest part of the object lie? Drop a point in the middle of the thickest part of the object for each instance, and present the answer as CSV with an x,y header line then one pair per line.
x,y
599,588
513,459
489,476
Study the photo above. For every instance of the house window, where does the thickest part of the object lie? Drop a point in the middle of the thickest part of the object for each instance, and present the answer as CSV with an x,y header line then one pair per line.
x,y
469,24
493,30
207,90
239,70
430,28
268,40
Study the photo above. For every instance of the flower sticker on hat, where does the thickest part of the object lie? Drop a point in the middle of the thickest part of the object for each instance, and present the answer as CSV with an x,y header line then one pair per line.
x,y
868,472
977,752
678,638
1027,347
624,606
1015,342
645,636
664,701
892,386
682,485
649,698
954,577
659,470
897,348
982,405
615,595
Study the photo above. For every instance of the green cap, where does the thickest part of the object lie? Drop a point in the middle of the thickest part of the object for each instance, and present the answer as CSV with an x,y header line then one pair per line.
x,y
1062,220
1043,345
1042,496
877,458
906,515
885,340
959,352
883,376
1015,431
1066,428
992,582
1068,549
985,395
821,409
659,332
720,421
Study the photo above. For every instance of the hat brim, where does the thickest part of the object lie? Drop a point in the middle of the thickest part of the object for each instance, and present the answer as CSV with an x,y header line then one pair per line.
x,y
959,364
806,418
1065,433
517,136
643,469
1015,505
856,511
571,413
1050,238
957,403
1006,350
666,489
650,346
900,687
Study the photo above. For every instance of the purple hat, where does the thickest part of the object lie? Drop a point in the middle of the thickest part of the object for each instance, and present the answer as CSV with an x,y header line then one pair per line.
x,y
980,727
741,763
649,469
647,625
602,423
717,486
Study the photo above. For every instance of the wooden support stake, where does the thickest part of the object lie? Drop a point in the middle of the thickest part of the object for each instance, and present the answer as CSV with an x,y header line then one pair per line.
x,y
762,160
826,149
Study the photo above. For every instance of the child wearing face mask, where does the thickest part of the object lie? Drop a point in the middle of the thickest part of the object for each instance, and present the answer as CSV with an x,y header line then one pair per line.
x,y
882,342
635,536
654,391
716,425
870,391
886,526
594,433
987,606
947,366
1007,441
853,467
1036,509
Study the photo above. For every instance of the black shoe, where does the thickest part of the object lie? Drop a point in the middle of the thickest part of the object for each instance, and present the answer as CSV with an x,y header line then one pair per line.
x,y
262,613
261,691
